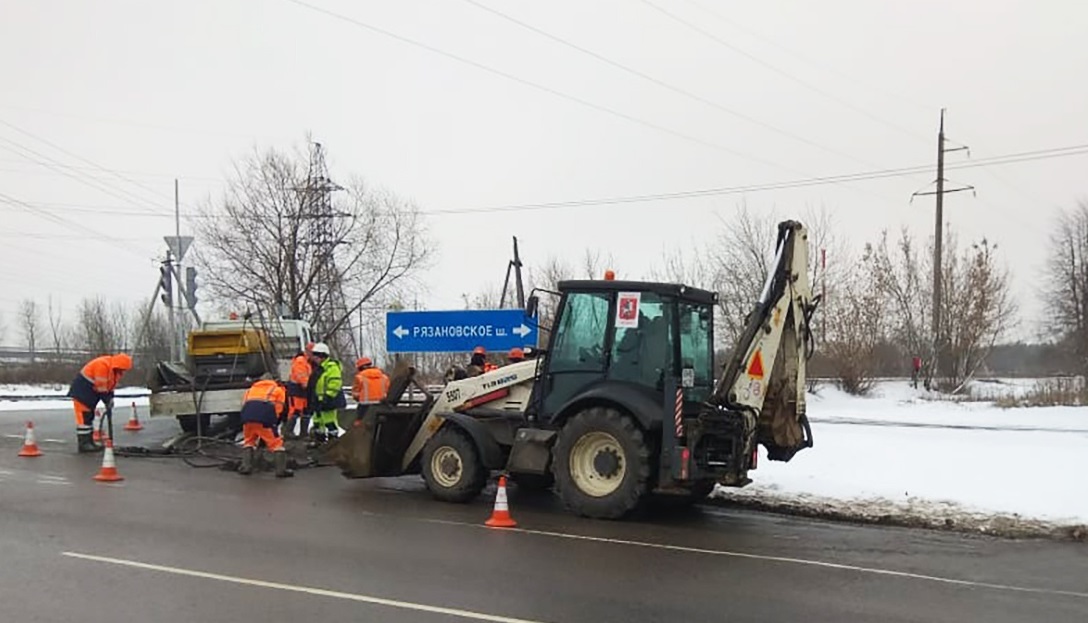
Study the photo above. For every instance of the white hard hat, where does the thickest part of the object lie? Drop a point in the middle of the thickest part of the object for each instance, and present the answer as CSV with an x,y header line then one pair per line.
x,y
321,348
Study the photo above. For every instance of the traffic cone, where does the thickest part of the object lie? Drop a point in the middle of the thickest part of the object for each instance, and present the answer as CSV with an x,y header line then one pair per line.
x,y
134,422
108,471
30,444
500,517
96,436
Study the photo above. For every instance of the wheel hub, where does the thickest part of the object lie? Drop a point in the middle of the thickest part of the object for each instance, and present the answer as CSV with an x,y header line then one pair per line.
x,y
607,463
446,467
597,464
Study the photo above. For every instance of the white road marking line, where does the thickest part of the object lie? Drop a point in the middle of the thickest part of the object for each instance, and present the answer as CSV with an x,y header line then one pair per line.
x,y
14,436
55,440
53,482
49,477
782,559
319,592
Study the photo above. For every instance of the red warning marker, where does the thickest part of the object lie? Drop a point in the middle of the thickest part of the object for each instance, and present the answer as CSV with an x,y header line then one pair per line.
x,y
755,367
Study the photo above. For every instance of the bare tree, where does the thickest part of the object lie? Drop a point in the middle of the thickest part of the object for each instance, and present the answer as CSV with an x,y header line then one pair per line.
x,y
977,306
856,323
30,322
259,247
978,310
1066,289
102,328
57,330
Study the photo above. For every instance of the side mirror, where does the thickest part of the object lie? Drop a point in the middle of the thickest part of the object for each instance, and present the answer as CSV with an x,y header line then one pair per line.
x,y
531,306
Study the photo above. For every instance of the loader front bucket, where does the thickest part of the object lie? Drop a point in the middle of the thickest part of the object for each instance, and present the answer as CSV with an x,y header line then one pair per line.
x,y
353,452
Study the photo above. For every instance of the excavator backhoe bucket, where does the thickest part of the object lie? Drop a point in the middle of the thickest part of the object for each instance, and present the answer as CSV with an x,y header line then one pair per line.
x,y
353,452
375,445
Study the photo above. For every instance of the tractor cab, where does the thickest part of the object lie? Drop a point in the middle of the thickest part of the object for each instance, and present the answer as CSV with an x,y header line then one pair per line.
x,y
627,342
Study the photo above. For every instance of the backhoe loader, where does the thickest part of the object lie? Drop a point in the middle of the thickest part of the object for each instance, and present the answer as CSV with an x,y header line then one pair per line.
x,y
622,405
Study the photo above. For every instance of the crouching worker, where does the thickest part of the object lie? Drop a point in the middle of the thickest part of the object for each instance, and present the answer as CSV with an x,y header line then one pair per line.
x,y
262,409
95,383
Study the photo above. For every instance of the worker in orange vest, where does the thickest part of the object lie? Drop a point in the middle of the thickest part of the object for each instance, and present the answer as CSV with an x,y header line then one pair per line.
x,y
370,386
298,393
479,363
95,383
263,408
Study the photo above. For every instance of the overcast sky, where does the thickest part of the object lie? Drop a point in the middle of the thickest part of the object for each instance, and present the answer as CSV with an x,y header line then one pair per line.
x,y
795,89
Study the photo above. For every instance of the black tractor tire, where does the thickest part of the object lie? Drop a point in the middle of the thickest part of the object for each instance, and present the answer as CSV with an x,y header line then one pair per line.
x,y
452,467
188,423
597,439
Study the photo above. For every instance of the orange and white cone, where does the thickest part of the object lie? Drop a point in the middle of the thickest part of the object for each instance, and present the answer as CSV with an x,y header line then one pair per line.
x,y
96,436
108,471
30,443
134,422
500,517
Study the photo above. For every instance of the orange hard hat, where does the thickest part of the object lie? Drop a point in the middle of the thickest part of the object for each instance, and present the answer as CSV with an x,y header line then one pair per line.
x,y
479,350
362,362
121,361
516,353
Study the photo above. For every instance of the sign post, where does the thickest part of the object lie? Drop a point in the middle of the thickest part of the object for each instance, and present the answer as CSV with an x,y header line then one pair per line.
x,y
458,331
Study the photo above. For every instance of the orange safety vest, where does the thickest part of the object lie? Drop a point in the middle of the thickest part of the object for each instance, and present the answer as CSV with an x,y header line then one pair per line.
x,y
100,374
488,367
263,400
300,370
370,387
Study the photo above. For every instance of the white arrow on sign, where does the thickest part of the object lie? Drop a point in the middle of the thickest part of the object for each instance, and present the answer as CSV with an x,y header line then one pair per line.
x,y
522,331
400,332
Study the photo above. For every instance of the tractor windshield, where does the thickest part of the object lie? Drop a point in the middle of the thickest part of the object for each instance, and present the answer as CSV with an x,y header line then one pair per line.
x,y
696,351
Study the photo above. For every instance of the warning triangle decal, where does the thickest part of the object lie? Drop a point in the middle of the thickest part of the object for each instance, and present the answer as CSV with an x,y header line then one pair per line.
x,y
755,367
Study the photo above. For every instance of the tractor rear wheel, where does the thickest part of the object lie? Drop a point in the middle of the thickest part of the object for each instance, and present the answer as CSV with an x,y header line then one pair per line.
x,y
601,464
452,467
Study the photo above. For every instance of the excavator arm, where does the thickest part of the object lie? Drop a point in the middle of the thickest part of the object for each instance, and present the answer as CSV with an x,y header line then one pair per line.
x,y
764,379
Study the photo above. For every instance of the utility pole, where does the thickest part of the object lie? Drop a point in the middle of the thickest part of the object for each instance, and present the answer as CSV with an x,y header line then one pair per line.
x,y
179,331
938,243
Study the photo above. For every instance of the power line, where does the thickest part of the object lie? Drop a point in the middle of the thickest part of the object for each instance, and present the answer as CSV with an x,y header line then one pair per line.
x,y
106,169
663,84
82,178
1042,154
781,72
807,58
85,160
113,211
76,227
537,86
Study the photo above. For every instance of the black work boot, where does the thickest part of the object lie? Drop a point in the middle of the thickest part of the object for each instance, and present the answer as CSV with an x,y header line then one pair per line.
x,y
288,429
280,461
317,439
246,468
86,444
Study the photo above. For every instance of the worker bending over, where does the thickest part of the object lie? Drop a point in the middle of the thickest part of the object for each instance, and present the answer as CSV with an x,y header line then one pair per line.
x,y
329,393
370,387
263,407
95,383
298,393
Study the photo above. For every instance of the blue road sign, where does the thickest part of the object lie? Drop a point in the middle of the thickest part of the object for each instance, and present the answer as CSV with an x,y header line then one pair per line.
x,y
458,331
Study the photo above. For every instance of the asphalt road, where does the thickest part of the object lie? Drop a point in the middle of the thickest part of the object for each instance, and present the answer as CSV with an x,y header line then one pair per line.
x,y
172,543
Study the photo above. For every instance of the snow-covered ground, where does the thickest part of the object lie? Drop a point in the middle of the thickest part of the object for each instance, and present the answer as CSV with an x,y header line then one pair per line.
x,y
901,451
34,397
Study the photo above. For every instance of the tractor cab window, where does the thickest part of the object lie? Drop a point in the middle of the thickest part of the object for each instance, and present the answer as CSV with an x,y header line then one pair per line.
x,y
578,343
696,351
642,344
